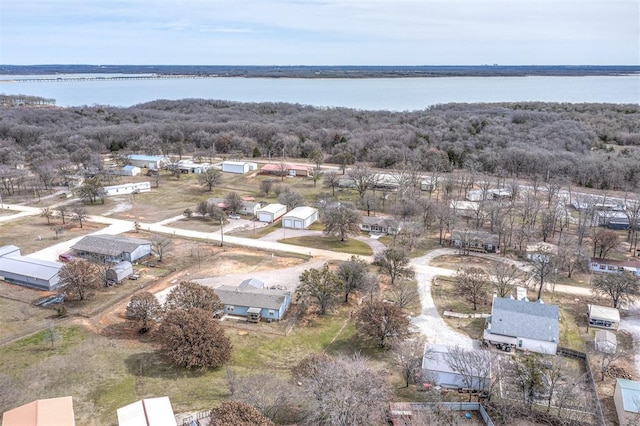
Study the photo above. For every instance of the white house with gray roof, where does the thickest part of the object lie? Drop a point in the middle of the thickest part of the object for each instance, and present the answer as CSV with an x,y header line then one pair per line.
x,y
105,248
246,299
525,325
27,271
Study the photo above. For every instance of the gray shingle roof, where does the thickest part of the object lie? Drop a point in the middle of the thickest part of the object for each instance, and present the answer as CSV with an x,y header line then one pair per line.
x,y
110,245
251,297
519,318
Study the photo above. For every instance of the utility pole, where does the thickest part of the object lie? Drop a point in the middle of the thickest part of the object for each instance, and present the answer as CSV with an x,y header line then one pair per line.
x,y
221,232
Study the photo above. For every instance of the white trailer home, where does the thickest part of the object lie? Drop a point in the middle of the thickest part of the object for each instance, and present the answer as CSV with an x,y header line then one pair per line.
x,y
127,188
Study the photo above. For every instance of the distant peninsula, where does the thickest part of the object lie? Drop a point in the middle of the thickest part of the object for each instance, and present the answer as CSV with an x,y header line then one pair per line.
x,y
327,71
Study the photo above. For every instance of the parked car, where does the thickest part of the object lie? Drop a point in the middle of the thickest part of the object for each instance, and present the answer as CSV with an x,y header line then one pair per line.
x,y
134,276
234,216
65,257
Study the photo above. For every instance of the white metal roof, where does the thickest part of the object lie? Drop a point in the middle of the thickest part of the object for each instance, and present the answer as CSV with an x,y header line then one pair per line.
x,y
9,249
302,212
604,313
630,391
147,412
273,208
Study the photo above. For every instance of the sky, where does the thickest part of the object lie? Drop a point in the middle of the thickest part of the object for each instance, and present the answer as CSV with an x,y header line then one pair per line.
x,y
320,32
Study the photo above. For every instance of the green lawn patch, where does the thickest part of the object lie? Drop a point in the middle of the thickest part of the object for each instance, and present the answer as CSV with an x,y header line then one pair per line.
x,y
329,243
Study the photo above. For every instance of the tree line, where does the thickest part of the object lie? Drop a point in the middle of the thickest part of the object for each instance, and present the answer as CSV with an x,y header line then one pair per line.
x,y
591,145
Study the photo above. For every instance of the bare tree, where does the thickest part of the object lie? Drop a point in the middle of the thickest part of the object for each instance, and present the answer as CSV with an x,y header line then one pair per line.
x,y
404,293
354,275
382,322
620,287
331,180
80,214
473,365
142,309
362,178
265,186
604,240
210,178
291,199
395,262
408,357
345,391
472,284
505,277
270,395
159,246
543,264
58,229
529,374
233,201
48,213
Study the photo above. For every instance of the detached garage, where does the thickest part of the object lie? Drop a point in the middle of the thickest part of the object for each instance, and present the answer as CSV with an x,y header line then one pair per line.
x,y
240,167
271,212
300,218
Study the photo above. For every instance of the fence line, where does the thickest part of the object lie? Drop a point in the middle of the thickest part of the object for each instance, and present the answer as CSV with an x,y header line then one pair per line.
x,y
585,358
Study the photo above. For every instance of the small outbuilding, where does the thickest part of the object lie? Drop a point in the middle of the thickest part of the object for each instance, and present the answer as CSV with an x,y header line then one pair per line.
x,y
239,167
437,371
147,412
603,317
605,341
118,272
626,397
300,218
271,212
127,171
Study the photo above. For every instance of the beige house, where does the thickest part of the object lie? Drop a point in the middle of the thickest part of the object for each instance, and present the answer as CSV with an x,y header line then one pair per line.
x,y
603,317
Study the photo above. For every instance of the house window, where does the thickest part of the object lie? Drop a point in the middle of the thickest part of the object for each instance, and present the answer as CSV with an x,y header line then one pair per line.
x,y
603,267
612,268
272,312
230,308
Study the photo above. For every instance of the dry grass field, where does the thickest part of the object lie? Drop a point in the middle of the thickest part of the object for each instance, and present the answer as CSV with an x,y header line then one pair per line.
x,y
33,233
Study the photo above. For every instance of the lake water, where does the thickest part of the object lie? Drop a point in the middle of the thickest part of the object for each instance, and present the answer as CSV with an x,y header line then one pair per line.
x,y
395,94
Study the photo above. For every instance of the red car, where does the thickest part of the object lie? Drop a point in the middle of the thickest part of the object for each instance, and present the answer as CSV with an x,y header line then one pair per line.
x,y
65,257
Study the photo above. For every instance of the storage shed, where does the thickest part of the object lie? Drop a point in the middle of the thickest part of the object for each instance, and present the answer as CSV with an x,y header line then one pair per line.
x,y
118,272
147,412
626,397
240,167
436,370
300,217
603,317
271,212
606,341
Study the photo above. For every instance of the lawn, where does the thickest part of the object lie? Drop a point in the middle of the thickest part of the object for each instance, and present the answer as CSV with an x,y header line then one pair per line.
x,y
329,243
33,233
104,374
